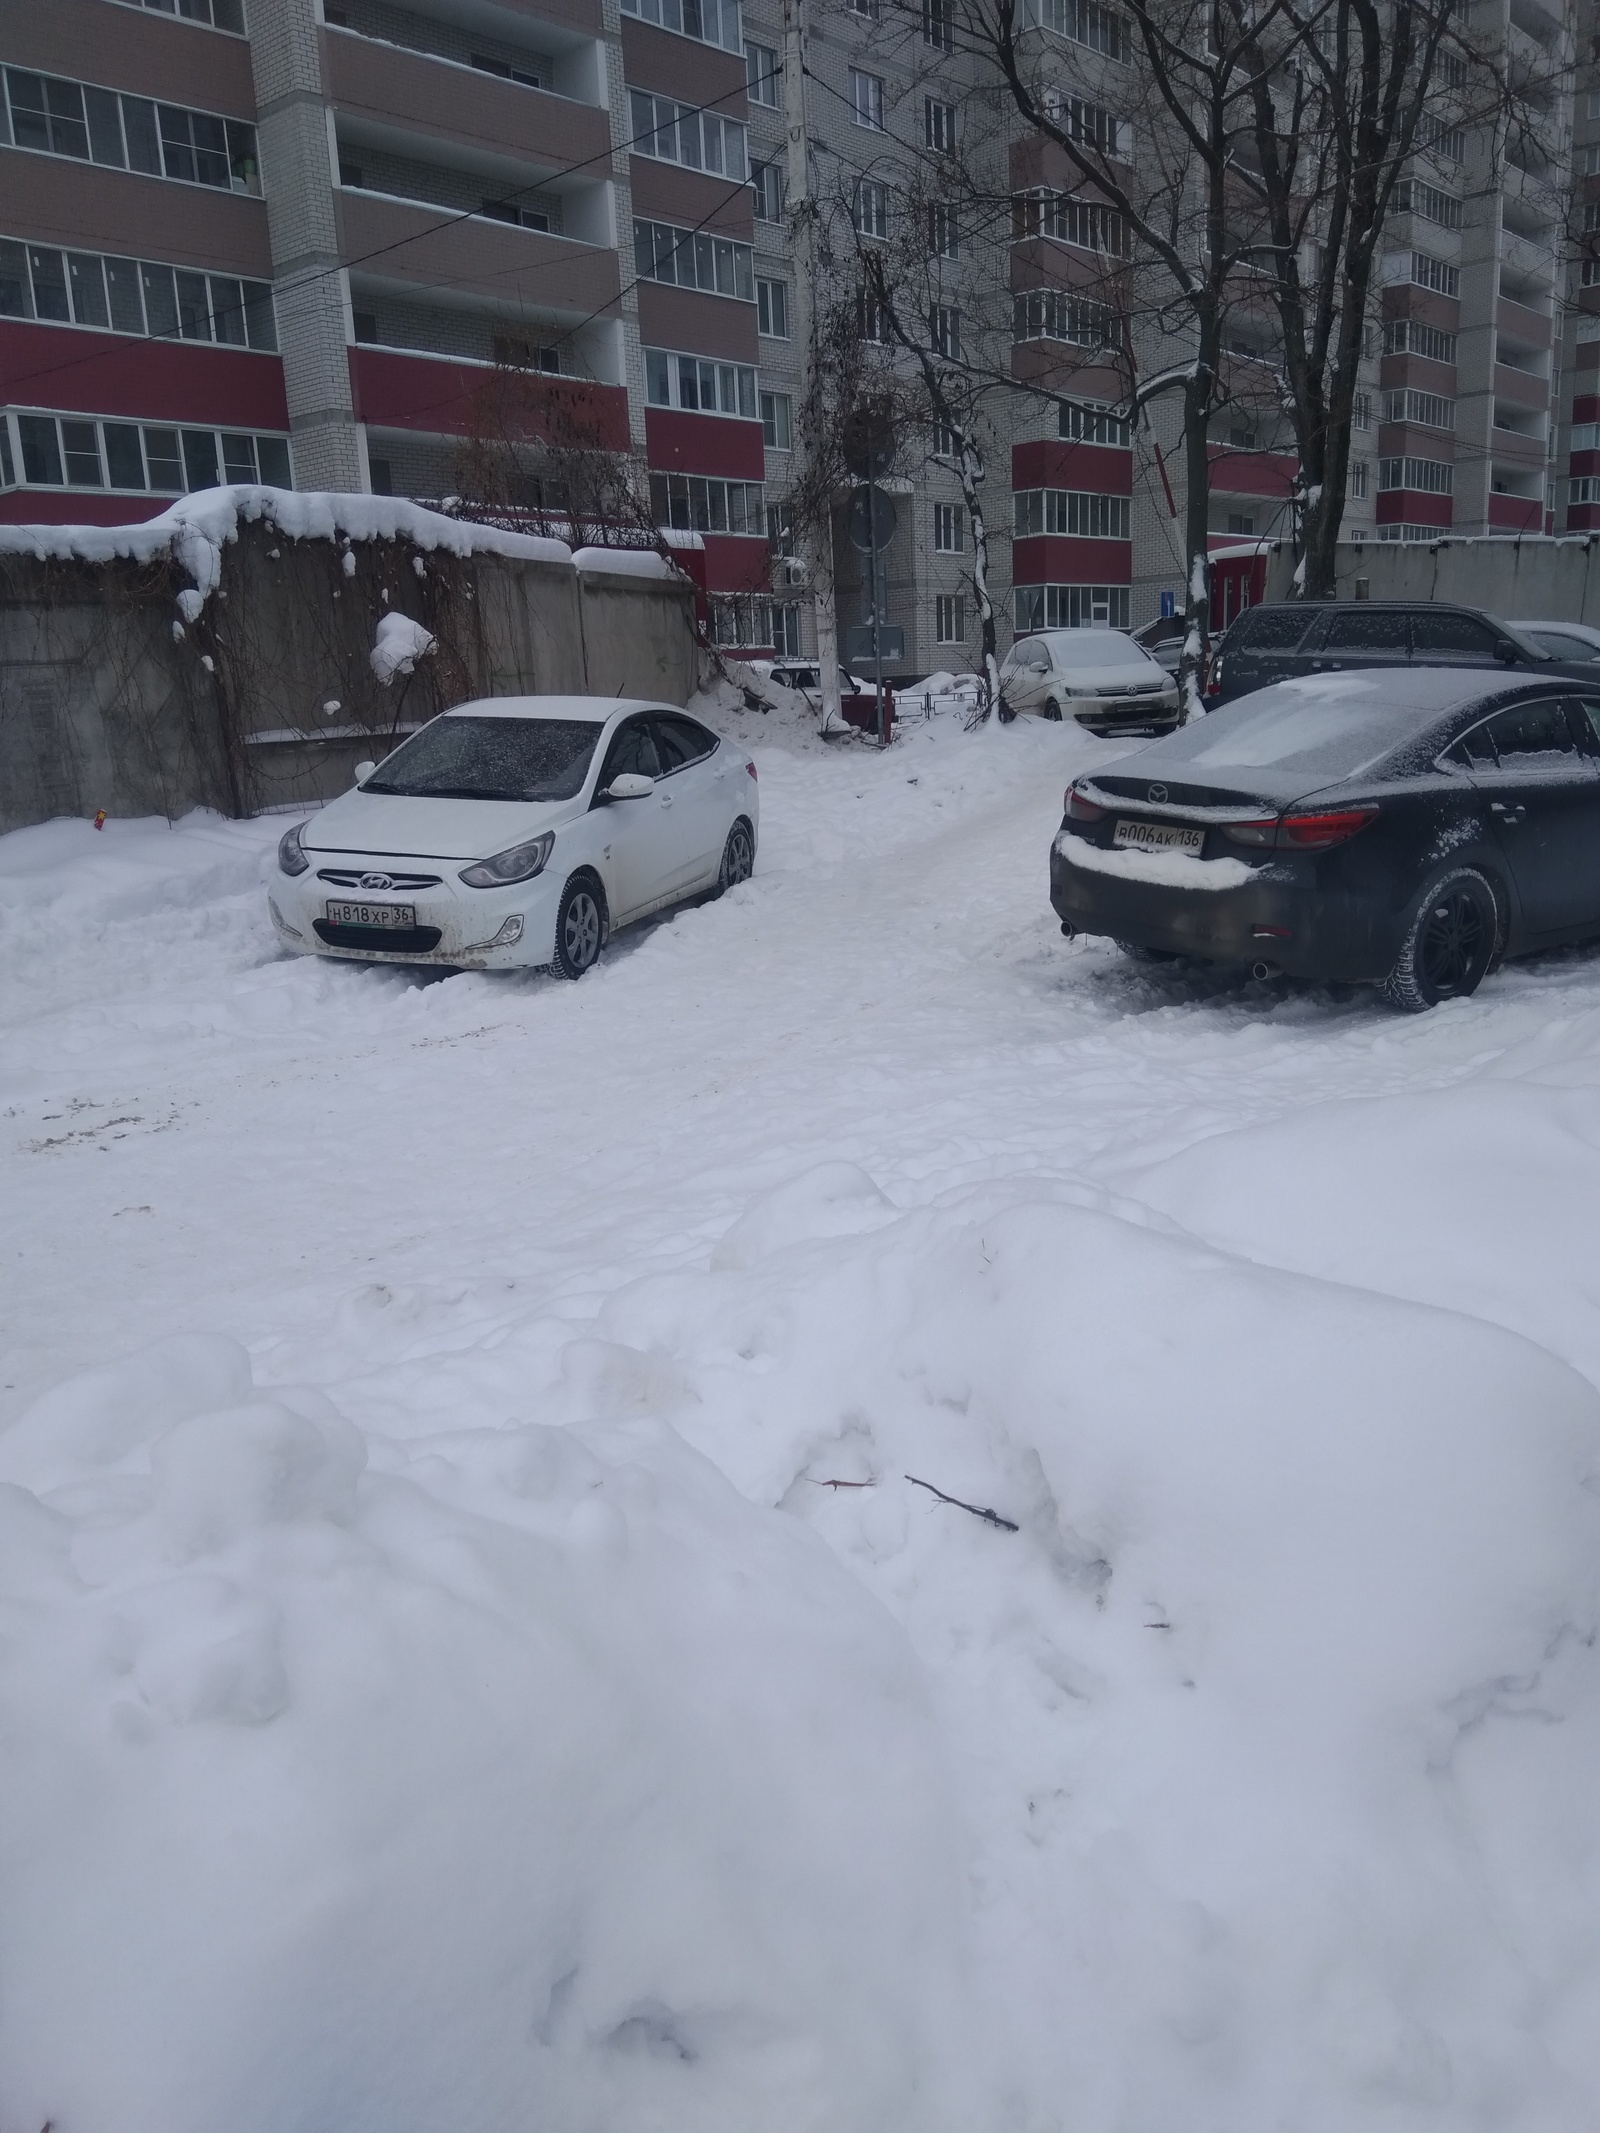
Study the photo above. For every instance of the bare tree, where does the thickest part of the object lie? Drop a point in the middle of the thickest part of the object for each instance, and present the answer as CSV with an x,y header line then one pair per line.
x,y
537,450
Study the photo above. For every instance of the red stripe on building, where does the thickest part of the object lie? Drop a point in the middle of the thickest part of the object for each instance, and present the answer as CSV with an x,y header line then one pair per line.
x,y
78,372
443,398
1103,469
1059,559
1414,507
678,443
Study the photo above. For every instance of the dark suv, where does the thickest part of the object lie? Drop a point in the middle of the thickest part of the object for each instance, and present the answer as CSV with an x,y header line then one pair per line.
x,y
1285,639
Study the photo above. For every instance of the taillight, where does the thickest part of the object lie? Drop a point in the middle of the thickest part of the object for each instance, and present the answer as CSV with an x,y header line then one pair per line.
x,y
1314,833
1259,832
1081,810
751,768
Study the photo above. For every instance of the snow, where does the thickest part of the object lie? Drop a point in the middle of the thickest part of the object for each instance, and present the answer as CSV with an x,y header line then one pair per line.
x,y
626,562
399,644
1173,870
470,1655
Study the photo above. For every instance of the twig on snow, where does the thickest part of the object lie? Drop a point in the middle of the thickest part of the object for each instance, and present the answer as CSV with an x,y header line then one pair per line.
x,y
990,1518
816,1484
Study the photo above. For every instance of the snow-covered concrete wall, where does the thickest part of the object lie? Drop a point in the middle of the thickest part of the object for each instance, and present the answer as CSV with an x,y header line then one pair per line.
x,y
1531,577
221,655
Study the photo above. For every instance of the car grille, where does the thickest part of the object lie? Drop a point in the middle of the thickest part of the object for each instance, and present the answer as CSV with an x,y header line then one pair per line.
x,y
356,878
383,940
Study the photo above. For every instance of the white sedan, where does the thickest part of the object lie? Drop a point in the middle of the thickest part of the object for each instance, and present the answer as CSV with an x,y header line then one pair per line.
x,y
518,831
1099,677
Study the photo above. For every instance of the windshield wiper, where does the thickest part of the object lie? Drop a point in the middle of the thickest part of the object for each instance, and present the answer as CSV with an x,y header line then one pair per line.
x,y
440,792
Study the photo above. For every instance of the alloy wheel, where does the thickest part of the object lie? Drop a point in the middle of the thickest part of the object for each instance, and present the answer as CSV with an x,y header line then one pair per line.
x,y
1451,945
580,934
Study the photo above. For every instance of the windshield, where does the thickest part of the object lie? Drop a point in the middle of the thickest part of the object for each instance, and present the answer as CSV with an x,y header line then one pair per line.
x,y
1560,646
1098,648
491,759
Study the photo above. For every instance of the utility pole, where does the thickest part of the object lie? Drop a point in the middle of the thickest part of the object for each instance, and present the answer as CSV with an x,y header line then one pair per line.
x,y
802,223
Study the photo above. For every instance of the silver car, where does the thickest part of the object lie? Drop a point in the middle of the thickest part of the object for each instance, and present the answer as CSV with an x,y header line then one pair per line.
x,y
1099,677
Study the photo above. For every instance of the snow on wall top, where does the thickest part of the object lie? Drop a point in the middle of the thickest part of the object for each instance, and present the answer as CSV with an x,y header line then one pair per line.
x,y
626,562
195,530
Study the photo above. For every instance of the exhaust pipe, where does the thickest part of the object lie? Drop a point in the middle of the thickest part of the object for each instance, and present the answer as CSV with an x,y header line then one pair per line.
x,y
1069,931
1265,970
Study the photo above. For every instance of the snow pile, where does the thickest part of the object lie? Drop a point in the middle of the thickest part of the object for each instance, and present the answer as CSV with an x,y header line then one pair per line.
x,y
519,1776
399,644
627,563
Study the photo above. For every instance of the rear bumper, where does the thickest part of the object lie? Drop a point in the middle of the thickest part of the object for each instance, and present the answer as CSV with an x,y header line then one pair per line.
x,y
1304,930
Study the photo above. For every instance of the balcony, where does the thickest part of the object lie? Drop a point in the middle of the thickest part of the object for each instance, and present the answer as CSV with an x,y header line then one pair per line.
x,y
1522,324
397,97
1521,388
425,249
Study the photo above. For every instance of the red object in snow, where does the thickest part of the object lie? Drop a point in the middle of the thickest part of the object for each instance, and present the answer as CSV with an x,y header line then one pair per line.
x,y
100,818
861,710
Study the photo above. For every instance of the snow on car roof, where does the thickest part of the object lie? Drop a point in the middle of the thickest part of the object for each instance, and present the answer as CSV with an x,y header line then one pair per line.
x,y
597,708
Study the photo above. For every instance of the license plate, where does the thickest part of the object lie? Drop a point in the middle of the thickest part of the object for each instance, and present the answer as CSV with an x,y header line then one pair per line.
x,y
1157,837
372,915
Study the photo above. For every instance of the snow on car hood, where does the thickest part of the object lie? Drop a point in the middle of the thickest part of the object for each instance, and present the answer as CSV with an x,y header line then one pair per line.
x,y
1114,681
395,824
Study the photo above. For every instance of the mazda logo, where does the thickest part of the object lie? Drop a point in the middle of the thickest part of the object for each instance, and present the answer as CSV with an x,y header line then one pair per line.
x,y
382,881
1156,795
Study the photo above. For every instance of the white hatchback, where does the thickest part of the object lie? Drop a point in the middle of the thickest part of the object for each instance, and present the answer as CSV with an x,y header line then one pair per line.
x,y
1099,677
518,831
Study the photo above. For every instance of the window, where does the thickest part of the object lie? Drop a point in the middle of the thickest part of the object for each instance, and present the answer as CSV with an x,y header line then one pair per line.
x,y
946,444
681,741
780,529
1582,437
1584,489
775,421
1416,196
671,132
1407,336
1528,732
8,472
1409,533
947,529
1356,479
938,25
1085,423
692,503
1053,315
1078,512
71,451
1445,140
944,331
938,124
1096,28
1434,477
1591,273
1071,607
698,385
1240,522
1361,411
772,309
506,71
769,182
870,211
1093,124
867,9
780,627
949,619
133,296
873,319
1436,631
527,218
1086,223
866,100
692,259
944,234
711,21
67,118
1432,410
516,352
221,14
1437,274
763,75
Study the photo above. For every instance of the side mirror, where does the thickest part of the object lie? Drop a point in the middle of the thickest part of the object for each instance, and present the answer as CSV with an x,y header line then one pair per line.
x,y
364,771
631,785
1507,651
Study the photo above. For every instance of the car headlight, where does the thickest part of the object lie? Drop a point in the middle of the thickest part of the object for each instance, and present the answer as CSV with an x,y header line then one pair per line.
x,y
521,863
291,860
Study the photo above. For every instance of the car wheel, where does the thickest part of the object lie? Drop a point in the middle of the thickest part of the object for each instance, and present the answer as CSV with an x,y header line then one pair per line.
x,y
1052,710
580,928
1453,939
738,857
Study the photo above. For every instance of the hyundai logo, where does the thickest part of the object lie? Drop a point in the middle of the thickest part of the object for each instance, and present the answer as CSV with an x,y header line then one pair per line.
x,y
382,881
1156,795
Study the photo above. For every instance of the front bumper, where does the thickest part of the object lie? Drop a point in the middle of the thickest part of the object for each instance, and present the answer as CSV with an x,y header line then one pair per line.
x,y
472,929
1110,715
1280,915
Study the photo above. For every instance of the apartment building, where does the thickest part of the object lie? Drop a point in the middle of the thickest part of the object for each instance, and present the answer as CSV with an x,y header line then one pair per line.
x,y
305,242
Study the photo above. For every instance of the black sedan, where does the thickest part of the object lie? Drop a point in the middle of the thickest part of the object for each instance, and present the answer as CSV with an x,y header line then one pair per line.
x,y
1405,828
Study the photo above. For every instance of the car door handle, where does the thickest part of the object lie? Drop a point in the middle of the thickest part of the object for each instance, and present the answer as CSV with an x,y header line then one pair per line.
x,y
1511,814
666,799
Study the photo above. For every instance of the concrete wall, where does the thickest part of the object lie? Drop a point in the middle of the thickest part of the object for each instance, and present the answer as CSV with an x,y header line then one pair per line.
x,y
268,698
1534,579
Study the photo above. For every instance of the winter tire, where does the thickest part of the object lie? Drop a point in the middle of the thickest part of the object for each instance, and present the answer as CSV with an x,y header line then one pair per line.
x,y
1450,945
738,857
580,928
1052,710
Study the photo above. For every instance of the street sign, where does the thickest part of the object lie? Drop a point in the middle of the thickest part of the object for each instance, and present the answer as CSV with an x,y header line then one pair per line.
x,y
872,520
891,643
1169,605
